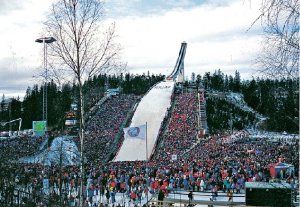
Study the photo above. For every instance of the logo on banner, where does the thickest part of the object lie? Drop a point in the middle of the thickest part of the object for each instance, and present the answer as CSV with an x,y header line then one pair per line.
x,y
133,131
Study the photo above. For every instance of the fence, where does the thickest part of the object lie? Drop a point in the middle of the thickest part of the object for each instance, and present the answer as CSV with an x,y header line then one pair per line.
x,y
12,196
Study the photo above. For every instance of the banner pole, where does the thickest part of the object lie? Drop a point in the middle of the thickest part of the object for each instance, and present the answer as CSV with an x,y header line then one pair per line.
x,y
146,143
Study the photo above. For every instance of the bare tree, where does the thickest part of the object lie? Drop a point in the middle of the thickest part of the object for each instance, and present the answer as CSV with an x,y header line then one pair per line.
x,y
280,46
83,48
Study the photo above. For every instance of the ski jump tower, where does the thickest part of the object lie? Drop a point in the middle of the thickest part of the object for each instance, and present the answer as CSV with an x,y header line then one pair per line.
x,y
178,71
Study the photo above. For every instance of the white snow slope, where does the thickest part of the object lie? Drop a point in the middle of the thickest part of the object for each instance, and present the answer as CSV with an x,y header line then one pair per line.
x,y
152,109
61,146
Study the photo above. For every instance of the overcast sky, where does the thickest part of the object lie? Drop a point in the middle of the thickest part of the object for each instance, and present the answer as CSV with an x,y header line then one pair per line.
x,y
150,32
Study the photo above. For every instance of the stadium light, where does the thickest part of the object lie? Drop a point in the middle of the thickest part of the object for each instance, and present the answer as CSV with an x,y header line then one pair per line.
x,y
45,40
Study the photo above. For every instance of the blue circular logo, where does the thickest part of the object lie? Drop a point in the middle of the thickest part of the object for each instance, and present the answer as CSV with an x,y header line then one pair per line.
x,y
133,131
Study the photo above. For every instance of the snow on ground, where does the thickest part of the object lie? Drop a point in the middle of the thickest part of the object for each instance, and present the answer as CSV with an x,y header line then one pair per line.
x,y
42,146
61,146
238,100
206,197
274,136
124,200
151,109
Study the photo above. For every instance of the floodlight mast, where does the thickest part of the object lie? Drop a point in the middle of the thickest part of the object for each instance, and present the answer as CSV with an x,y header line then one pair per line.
x,y
45,40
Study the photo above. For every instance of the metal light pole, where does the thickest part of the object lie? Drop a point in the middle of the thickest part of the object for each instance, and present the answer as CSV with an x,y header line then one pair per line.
x,y
45,40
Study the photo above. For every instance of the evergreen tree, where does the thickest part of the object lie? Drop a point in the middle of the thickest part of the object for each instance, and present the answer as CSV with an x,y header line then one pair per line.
x,y
193,77
231,85
207,81
237,82
250,92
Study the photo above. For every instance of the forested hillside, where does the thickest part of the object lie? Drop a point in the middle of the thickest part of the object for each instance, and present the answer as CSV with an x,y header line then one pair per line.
x,y
60,98
277,100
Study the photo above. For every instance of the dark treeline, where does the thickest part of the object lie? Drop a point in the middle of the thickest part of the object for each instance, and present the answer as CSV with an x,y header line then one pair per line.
x,y
276,99
223,115
60,99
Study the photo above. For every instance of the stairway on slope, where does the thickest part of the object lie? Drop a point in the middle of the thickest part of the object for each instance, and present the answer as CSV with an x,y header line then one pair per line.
x,y
202,111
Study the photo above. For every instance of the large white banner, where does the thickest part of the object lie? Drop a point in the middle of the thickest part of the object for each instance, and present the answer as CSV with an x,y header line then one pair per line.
x,y
138,132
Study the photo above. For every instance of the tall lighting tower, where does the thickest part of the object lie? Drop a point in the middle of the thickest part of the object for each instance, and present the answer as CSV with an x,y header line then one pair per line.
x,y
45,41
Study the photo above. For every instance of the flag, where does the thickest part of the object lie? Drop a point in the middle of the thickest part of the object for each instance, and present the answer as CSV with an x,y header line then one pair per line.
x,y
138,132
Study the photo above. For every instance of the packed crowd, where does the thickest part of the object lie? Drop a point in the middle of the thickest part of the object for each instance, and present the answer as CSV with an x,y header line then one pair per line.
x,y
101,130
210,164
17,147
181,130
229,165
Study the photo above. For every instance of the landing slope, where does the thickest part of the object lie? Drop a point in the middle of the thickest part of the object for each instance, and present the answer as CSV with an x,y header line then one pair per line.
x,y
151,109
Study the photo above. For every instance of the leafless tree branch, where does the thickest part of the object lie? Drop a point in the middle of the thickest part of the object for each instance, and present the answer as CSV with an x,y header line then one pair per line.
x,y
82,50
279,55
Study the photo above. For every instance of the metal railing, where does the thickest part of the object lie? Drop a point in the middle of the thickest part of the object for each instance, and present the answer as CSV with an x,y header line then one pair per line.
x,y
12,196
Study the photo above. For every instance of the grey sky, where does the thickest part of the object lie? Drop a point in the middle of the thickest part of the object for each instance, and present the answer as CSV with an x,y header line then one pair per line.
x,y
149,31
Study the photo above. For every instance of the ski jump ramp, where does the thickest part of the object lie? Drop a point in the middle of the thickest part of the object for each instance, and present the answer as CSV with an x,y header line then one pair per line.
x,y
151,109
